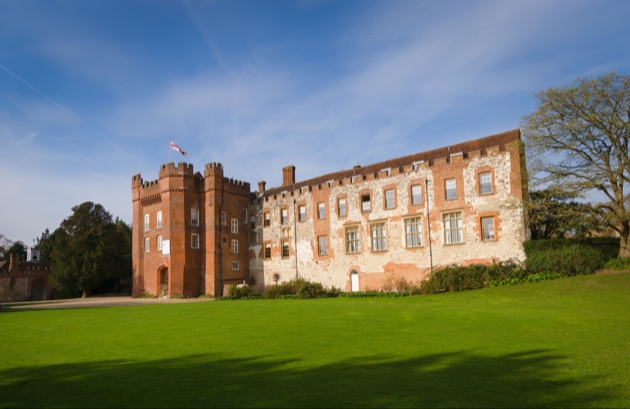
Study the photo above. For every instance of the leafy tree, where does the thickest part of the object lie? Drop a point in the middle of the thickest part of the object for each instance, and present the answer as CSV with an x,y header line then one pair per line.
x,y
44,245
578,138
553,213
5,244
88,250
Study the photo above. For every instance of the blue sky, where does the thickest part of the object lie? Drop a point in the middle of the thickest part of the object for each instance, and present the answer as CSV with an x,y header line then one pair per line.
x,y
92,91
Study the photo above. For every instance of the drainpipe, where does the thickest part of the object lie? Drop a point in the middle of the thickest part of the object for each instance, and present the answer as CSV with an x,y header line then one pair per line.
x,y
295,238
426,190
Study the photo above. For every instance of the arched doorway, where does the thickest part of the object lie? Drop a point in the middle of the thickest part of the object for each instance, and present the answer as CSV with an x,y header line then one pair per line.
x,y
354,280
164,282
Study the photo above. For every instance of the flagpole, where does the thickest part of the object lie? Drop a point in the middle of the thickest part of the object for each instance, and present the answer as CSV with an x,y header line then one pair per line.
x,y
169,151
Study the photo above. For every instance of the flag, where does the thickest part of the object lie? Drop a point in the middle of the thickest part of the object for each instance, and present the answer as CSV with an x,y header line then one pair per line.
x,y
177,148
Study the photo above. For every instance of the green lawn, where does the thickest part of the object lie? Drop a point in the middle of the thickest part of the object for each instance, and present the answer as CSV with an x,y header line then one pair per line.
x,y
558,343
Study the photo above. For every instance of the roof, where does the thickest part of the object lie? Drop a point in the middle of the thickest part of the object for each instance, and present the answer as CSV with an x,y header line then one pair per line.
x,y
428,156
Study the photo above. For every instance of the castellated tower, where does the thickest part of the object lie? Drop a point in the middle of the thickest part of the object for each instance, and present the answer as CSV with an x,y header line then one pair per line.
x,y
189,232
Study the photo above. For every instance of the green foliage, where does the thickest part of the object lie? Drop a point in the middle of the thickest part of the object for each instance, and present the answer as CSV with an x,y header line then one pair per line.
x,y
578,138
44,245
554,212
306,289
617,264
608,247
533,278
472,277
242,292
147,295
90,251
567,261
374,294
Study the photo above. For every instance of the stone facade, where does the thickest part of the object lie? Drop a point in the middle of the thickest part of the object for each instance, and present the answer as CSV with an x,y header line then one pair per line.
x,y
355,229
24,280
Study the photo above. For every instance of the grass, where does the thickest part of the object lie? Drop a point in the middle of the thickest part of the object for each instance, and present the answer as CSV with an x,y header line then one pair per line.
x,y
562,343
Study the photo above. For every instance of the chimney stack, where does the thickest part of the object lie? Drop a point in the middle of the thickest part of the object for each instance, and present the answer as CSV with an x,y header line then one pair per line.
x,y
288,175
261,186
14,259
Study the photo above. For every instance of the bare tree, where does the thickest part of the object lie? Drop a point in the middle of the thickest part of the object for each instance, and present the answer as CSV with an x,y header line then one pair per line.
x,y
578,139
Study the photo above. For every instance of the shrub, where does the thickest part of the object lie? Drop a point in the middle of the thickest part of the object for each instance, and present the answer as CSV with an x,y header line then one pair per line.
x,y
206,296
472,277
617,264
532,278
373,294
608,247
180,296
146,295
572,260
306,289
244,291
286,288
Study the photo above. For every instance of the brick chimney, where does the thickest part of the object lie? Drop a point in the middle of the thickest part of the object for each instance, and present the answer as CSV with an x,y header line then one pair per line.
x,y
14,259
288,175
261,186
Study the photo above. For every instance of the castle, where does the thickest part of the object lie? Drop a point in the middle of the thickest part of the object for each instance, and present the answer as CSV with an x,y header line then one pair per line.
x,y
197,234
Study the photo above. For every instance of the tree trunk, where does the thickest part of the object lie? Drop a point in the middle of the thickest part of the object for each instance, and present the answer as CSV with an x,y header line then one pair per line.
x,y
624,246
86,293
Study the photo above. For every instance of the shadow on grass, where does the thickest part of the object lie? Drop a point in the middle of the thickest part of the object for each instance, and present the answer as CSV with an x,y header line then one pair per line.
x,y
528,379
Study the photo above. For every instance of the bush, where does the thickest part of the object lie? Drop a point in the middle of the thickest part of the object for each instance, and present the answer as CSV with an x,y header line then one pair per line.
x,y
243,291
146,295
533,278
608,247
572,260
373,294
307,289
617,264
472,277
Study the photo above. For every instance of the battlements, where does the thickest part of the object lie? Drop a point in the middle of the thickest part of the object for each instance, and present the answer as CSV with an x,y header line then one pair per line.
x,y
442,156
172,170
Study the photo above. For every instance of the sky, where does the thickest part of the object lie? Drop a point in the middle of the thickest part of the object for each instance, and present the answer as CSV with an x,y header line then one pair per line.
x,y
91,92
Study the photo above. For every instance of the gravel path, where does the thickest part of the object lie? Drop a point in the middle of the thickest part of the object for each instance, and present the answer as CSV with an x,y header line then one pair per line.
x,y
113,301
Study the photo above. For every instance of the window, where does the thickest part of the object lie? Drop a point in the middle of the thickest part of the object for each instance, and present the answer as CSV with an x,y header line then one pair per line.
x,y
485,183
223,218
321,246
365,203
267,250
341,206
234,246
416,195
194,242
379,242
235,265
321,211
252,222
146,222
390,203
451,189
453,228
147,248
159,220
487,225
352,240
413,232
284,216
194,217
286,232
285,249
235,226
302,211
244,216
159,243
266,219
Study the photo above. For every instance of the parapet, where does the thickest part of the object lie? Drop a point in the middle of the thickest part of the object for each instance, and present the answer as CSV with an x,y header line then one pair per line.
x,y
212,168
136,180
181,169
